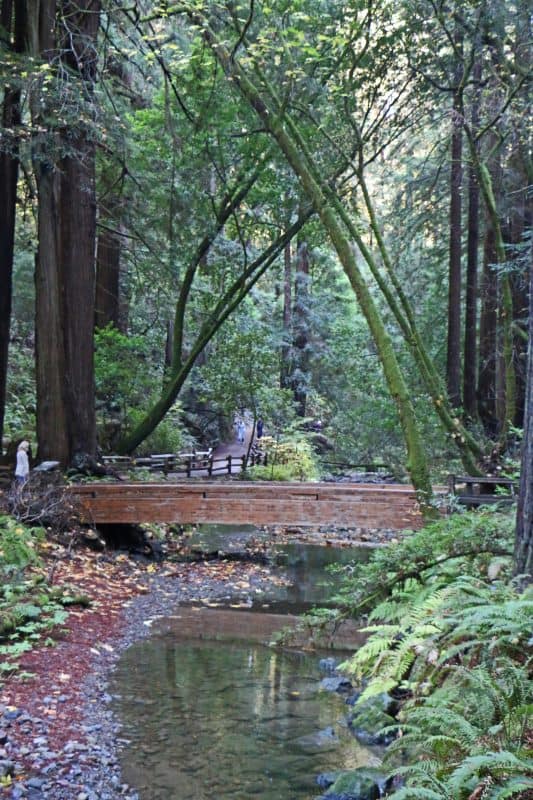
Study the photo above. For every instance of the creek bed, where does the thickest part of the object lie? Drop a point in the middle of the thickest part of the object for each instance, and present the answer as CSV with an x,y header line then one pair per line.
x,y
209,711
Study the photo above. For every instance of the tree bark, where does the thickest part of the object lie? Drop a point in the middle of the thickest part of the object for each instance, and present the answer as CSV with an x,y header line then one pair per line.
x,y
107,279
65,268
453,359
301,324
10,17
523,554
488,340
285,365
470,340
505,367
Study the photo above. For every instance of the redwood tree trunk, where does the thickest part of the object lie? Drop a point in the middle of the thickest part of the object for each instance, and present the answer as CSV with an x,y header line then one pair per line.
x,y
470,343
285,366
8,180
523,555
8,198
453,361
107,303
65,270
488,338
301,324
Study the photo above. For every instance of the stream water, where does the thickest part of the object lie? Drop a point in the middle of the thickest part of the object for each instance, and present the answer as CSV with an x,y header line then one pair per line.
x,y
227,717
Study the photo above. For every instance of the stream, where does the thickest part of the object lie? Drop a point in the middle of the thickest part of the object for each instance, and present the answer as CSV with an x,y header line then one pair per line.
x,y
208,710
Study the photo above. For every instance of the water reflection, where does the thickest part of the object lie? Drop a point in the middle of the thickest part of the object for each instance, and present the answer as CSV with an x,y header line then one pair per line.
x,y
306,566
209,720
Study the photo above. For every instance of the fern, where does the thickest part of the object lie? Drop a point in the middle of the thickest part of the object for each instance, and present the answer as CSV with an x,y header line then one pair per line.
x,y
498,764
511,788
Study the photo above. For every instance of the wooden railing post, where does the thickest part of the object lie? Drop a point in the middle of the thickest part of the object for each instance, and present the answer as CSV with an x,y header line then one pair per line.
x,y
210,466
229,463
189,467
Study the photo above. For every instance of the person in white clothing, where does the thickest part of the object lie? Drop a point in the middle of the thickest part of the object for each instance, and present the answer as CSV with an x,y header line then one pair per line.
x,y
22,470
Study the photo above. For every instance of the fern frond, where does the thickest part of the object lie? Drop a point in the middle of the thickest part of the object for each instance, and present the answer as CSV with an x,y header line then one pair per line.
x,y
412,793
511,788
487,764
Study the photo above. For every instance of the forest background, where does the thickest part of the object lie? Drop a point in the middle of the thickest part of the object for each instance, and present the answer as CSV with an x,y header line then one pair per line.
x,y
308,210
318,212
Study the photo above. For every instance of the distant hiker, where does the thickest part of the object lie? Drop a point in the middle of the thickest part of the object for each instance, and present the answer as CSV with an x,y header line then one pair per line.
x,y
259,428
241,431
22,470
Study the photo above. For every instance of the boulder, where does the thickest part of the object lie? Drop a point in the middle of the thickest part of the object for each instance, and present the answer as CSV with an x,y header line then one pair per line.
x,y
337,683
359,784
367,720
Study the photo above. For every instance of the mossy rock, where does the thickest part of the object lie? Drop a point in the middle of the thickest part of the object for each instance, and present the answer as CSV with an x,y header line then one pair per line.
x,y
358,784
368,719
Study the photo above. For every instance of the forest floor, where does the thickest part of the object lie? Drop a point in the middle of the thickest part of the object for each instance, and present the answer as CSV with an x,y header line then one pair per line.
x,y
58,737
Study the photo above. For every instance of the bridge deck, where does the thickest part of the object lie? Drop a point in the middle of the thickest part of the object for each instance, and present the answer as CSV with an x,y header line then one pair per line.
x,y
351,505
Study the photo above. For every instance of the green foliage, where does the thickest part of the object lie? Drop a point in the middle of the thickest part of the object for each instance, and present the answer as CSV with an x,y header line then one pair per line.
x,y
126,383
168,437
123,378
28,607
455,545
289,458
19,419
17,545
454,646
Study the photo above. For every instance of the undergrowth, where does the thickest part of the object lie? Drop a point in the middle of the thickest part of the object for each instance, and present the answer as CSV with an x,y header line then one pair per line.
x,y
449,636
291,458
29,607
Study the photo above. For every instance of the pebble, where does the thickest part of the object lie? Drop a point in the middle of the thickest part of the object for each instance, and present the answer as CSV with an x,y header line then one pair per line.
x,y
35,783
86,768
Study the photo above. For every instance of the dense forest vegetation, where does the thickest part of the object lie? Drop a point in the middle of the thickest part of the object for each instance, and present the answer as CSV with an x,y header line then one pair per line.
x,y
318,212
307,210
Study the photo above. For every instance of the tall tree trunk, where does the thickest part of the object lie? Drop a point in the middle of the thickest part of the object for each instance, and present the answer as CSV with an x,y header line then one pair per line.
x,y
301,325
470,339
519,217
523,555
402,310
107,302
453,357
65,269
317,191
8,202
9,17
505,373
109,248
286,349
488,339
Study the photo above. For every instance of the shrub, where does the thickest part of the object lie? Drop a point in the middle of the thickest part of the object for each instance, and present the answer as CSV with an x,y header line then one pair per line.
x,y
168,437
290,458
449,635
17,545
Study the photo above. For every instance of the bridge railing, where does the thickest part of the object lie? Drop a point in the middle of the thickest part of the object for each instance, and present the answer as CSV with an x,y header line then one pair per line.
x,y
199,463
485,490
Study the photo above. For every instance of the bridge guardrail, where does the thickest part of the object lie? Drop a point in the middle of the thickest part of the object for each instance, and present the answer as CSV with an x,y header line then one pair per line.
x,y
202,462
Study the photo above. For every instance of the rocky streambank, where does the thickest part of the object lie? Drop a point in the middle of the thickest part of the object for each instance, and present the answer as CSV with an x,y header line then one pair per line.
x,y
58,737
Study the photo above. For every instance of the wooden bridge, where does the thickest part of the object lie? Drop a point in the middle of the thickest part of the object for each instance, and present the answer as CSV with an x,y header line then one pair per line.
x,y
239,502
